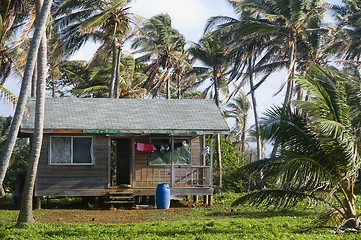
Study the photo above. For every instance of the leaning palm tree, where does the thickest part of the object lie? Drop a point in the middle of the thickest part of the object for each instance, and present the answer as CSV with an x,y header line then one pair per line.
x,y
163,47
107,22
26,213
319,159
24,92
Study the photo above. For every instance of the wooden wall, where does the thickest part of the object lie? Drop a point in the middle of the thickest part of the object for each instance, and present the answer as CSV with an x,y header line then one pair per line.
x,y
73,180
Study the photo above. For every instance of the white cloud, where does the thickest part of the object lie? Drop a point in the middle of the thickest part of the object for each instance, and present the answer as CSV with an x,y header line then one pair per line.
x,y
188,16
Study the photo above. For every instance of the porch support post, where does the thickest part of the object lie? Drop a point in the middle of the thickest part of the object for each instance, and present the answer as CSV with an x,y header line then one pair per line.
x,y
172,173
110,183
132,164
211,164
203,157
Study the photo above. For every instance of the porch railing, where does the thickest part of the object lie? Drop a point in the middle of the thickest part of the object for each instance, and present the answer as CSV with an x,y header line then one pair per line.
x,y
184,175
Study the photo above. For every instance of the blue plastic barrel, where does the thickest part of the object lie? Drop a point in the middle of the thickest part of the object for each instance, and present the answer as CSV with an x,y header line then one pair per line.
x,y
163,196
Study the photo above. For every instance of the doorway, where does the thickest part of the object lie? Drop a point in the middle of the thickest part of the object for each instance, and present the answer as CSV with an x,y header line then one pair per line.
x,y
121,152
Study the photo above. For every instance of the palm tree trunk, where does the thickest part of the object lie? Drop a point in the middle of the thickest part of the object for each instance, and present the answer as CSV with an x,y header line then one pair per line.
x,y
178,87
255,111
243,137
53,87
291,72
35,74
112,80
24,92
33,83
168,81
218,139
290,87
219,159
117,74
26,208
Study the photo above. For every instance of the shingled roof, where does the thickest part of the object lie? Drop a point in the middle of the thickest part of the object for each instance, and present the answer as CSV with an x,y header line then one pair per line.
x,y
104,115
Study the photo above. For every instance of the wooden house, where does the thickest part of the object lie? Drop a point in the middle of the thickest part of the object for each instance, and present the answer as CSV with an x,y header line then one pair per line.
x,y
99,146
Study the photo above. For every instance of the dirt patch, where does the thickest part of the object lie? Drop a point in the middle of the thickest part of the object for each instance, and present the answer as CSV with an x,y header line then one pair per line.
x,y
103,216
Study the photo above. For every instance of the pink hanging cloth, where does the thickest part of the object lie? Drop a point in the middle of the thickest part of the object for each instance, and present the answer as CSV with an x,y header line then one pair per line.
x,y
140,147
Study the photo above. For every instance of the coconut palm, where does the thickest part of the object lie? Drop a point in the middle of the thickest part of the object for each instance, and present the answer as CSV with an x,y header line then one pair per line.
x,y
10,19
238,110
107,22
270,35
213,53
24,92
26,208
163,47
292,30
346,40
319,160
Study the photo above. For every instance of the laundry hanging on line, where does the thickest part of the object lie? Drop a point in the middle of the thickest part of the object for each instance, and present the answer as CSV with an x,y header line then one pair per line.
x,y
143,147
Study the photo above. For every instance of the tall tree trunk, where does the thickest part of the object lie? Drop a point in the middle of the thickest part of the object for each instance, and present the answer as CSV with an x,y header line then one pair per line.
x,y
26,208
290,86
53,87
243,136
291,72
255,111
168,81
33,82
179,94
218,138
219,159
114,64
35,73
24,92
117,73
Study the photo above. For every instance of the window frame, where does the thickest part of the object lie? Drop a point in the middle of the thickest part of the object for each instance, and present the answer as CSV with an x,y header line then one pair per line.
x,y
71,163
170,142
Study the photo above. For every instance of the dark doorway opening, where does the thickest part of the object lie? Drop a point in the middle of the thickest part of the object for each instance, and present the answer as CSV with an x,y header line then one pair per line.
x,y
121,162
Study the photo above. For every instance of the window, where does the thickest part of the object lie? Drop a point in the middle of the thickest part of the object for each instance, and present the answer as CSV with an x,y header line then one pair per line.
x,y
71,150
162,153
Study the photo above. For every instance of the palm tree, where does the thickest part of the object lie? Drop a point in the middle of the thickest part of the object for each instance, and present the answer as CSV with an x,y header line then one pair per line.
x,y
214,55
107,22
346,40
10,18
269,35
95,81
24,92
163,47
26,208
292,30
238,110
319,160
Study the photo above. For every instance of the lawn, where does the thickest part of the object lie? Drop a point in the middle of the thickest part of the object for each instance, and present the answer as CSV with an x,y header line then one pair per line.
x,y
219,222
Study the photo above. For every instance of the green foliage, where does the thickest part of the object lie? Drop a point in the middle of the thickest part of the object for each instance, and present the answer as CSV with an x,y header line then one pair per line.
x,y
319,158
19,160
232,159
231,156
16,172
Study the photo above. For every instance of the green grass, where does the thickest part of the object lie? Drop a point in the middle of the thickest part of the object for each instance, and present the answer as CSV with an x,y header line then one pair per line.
x,y
219,222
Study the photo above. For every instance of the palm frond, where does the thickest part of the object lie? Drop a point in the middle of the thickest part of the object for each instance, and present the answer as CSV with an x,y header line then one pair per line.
x,y
272,198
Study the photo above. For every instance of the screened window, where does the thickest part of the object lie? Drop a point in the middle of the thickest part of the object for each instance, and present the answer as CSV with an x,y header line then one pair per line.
x,y
71,150
162,153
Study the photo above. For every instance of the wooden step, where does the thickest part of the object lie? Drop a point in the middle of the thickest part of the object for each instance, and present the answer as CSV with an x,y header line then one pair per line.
x,y
121,197
120,202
